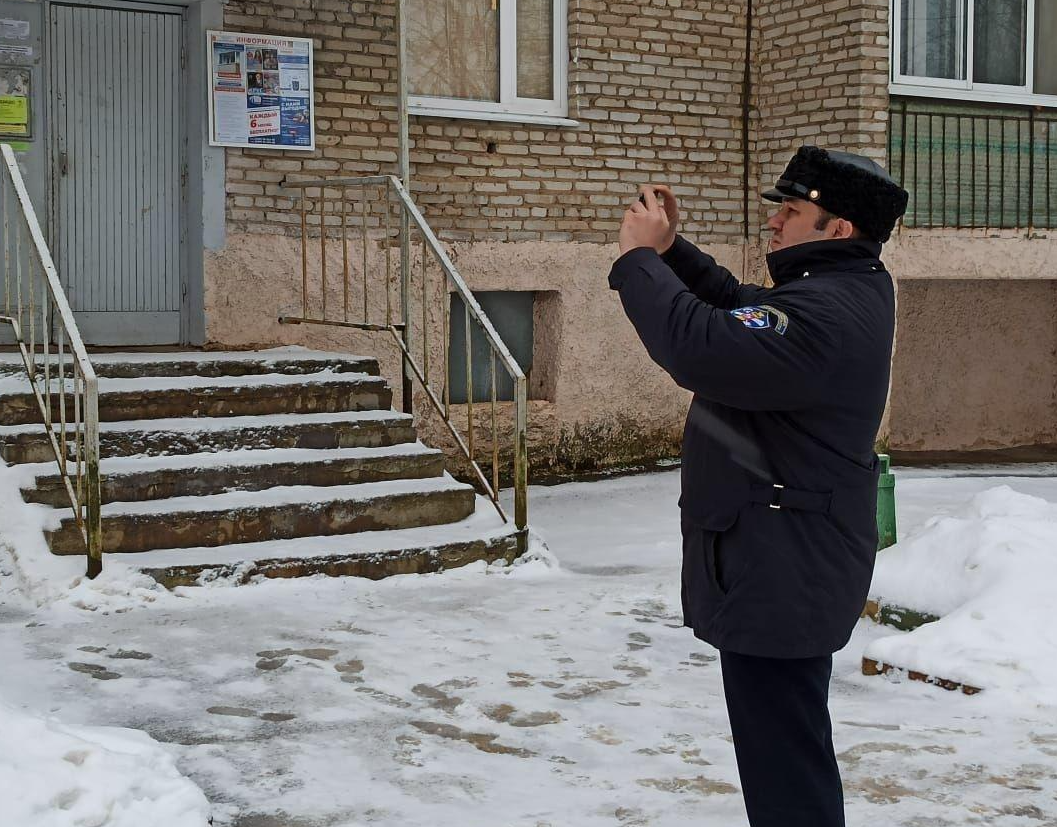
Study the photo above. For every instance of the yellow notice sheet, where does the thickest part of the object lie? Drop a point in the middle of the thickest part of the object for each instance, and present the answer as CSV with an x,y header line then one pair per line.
x,y
14,114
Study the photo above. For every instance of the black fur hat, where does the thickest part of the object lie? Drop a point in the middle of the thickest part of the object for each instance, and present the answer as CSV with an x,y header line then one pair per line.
x,y
850,186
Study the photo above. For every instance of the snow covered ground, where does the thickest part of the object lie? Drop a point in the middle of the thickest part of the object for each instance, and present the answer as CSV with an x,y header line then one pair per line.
x,y
54,775
541,695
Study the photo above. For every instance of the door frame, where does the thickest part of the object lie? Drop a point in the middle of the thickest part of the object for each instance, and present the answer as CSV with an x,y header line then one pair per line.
x,y
202,196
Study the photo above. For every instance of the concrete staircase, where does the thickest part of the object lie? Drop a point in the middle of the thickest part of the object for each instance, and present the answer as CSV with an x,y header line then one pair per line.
x,y
277,463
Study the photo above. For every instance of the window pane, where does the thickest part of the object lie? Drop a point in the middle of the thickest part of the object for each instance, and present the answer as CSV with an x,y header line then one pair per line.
x,y
933,38
511,314
1045,53
535,49
453,48
999,42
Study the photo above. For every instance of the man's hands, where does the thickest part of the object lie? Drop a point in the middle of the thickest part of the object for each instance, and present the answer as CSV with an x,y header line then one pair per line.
x,y
649,223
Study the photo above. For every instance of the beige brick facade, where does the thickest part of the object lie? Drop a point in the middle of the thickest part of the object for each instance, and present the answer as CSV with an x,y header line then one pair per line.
x,y
655,86
657,90
822,78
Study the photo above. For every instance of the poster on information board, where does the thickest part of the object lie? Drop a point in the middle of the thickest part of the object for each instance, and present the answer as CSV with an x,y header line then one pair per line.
x,y
260,91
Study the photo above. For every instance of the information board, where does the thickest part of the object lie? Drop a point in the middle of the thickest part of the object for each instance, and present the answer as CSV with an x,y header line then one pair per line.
x,y
260,91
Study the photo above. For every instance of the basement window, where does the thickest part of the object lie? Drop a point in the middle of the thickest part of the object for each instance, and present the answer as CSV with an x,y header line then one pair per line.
x,y
522,319
499,60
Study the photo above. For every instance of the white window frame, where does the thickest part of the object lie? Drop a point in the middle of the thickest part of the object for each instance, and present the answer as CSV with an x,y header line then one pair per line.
x,y
510,107
966,90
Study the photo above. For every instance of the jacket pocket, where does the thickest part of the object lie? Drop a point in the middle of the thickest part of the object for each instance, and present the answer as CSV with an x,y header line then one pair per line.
x,y
733,554
717,562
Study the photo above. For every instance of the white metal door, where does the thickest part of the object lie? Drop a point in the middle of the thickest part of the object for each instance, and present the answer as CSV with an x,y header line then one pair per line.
x,y
115,79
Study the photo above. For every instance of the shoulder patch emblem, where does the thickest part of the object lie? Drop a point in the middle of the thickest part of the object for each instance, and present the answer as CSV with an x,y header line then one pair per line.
x,y
754,317
760,318
781,320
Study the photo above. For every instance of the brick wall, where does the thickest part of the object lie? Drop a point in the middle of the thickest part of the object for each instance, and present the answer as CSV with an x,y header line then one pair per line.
x,y
656,87
821,76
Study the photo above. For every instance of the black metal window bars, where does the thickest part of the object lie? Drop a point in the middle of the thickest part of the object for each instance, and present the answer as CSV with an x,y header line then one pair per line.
x,y
974,166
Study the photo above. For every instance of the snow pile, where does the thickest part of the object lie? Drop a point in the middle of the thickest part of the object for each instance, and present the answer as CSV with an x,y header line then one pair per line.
x,y
47,578
67,776
989,571
22,538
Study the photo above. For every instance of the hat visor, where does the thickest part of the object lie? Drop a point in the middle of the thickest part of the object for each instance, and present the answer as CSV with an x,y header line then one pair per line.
x,y
777,195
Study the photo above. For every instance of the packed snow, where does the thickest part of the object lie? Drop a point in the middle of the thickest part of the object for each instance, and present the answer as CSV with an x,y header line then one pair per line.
x,y
988,571
54,775
561,691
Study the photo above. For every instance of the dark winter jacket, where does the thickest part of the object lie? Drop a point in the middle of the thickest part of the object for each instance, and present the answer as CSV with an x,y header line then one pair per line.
x,y
779,475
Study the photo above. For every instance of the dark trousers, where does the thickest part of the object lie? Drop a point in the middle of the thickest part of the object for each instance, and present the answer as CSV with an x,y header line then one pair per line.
x,y
779,717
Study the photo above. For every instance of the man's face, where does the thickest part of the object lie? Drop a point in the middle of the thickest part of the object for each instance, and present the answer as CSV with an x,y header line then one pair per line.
x,y
795,224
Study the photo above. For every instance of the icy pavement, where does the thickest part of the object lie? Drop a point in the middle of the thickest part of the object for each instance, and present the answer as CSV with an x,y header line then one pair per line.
x,y
565,696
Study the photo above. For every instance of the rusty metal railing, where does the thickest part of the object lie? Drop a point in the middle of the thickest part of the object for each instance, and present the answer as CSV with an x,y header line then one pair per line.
x,y
61,376
351,211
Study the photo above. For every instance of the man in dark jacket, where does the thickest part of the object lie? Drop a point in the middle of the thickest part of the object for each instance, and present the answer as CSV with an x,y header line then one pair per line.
x,y
779,474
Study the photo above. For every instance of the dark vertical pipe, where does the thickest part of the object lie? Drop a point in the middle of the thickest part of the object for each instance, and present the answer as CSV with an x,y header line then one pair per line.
x,y
746,94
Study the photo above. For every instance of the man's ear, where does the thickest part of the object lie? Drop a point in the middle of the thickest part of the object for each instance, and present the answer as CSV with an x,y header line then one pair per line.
x,y
842,228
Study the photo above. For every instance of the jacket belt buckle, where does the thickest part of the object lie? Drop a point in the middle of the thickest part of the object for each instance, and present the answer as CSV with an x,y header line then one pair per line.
x,y
776,496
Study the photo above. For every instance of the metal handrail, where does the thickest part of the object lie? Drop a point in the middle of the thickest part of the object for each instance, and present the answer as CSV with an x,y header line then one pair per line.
x,y
400,324
59,371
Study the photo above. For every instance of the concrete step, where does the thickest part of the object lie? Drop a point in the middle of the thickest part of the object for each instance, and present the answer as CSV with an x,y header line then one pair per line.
x,y
193,396
345,429
277,463
154,478
372,554
286,360
278,513
409,560
214,365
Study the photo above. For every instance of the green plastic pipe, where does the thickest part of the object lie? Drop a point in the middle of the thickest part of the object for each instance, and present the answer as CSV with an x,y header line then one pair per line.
x,y
886,505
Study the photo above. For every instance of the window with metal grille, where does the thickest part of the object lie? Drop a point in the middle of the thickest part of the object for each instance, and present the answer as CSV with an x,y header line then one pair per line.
x,y
972,165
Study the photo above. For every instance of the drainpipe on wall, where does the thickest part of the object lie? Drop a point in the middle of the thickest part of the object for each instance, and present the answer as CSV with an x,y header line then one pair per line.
x,y
746,98
401,97
405,219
